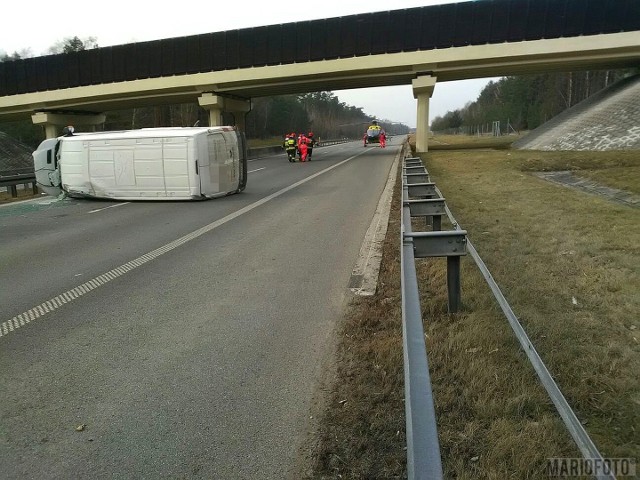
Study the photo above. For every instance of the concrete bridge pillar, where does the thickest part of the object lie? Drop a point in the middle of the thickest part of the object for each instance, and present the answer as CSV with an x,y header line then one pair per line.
x,y
214,104
54,122
422,90
217,104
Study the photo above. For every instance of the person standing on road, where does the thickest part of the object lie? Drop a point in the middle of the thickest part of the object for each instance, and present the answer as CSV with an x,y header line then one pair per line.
x,y
383,139
310,143
290,146
302,147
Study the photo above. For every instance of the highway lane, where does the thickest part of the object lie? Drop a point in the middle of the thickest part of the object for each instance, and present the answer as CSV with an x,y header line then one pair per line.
x,y
48,247
200,360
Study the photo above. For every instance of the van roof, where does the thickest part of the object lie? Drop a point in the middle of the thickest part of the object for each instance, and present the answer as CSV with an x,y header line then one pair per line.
x,y
149,133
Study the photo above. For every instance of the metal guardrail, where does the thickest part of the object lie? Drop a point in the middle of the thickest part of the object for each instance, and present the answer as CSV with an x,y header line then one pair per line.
x,y
574,426
12,181
423,450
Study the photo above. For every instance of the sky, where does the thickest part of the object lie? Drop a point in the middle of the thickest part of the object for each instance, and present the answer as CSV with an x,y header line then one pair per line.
x,y
36,25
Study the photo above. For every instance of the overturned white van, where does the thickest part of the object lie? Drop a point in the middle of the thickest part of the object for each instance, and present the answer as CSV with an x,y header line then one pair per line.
x,y
182,163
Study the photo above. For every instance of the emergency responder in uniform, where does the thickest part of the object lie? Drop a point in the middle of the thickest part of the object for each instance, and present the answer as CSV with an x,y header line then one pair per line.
x,y
310,143
290,146
302,147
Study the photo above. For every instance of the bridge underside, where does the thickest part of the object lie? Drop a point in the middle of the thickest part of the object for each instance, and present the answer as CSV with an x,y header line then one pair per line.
x,y
491,60
232,90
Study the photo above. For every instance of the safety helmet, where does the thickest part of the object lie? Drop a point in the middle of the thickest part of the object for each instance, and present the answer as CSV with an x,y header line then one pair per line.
x,y
310,134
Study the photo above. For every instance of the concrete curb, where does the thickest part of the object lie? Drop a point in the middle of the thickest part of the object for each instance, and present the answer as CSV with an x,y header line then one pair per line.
x,y
364,277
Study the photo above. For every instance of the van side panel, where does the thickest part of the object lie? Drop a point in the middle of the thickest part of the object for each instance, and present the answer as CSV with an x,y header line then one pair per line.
x,y
234,160
177,153
110,165
141,168
224,164
126,168
202,159
149,167
74,167
154,164
216,149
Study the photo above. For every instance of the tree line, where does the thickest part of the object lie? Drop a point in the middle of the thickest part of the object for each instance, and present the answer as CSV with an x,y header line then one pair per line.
x,y
525,102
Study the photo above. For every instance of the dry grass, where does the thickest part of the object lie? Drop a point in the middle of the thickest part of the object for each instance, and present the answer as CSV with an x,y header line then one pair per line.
x,y
362,432
23,194
457,142
622,178
569,265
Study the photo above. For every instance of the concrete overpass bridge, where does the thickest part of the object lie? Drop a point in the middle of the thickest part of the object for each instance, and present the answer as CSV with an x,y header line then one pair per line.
x,y
223,71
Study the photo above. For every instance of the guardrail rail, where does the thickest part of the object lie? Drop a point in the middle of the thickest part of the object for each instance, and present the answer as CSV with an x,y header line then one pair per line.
x,y
11,182
421,198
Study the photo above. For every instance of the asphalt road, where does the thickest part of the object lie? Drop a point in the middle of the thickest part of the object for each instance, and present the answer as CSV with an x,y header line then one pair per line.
x,y
178,339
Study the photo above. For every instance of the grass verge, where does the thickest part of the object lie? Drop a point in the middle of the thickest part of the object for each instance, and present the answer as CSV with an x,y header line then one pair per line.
x,y
23,194
569,265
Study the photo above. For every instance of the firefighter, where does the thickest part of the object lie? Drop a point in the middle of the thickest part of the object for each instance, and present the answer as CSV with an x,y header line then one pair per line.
x,y
383,139
302,147
310,143
290,146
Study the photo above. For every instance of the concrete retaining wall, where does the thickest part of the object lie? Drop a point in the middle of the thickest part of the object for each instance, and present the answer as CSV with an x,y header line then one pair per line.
x,y
608,120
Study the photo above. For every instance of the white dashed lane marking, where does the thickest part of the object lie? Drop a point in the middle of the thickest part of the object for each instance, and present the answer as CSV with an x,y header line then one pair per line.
x,y
53,304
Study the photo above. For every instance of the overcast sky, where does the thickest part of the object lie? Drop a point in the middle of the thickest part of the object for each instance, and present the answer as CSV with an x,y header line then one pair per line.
x,y
36,25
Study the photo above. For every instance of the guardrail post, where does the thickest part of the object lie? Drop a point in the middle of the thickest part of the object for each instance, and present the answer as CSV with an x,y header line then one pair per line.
x,y
453,284
436,221
12,181
450,244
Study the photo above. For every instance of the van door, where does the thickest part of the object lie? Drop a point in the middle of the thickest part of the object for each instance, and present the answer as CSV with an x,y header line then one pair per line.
x,y
47,167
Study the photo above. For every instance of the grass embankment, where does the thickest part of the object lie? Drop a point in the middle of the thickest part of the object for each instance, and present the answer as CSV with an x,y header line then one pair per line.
x,y
569,265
